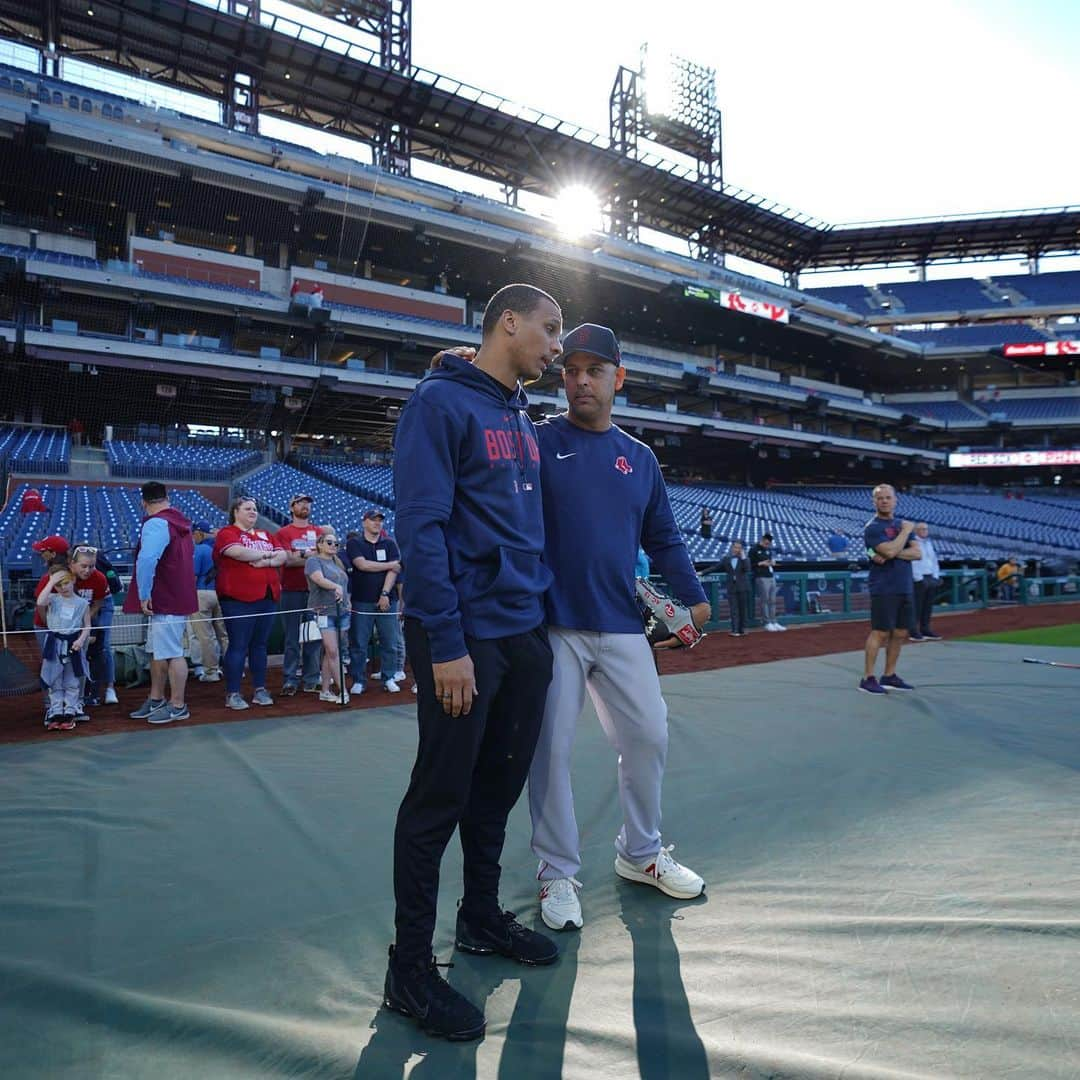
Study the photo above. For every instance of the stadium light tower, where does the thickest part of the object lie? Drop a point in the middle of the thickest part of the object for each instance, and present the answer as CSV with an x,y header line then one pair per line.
x,y
672,101
388,22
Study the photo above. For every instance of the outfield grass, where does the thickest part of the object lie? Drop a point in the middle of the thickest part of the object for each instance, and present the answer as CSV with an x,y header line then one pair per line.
x,y
1068,634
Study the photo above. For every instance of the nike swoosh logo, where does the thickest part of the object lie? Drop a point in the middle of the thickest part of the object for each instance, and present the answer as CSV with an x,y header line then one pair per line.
x,y
562,457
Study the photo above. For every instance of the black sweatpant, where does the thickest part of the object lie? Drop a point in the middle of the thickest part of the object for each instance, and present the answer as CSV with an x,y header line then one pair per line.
x,y
469,773
924,603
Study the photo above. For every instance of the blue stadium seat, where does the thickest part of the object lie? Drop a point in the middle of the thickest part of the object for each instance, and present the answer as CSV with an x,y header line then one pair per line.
x,y
181,461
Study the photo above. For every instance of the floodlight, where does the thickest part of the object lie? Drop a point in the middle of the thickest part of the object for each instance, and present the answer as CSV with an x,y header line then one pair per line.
x,y
577,211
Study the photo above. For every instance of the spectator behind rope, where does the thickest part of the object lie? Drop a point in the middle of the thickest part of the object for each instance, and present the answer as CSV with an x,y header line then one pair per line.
x,y
248,585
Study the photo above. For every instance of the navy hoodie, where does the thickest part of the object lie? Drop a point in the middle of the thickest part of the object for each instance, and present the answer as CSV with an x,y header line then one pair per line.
x,y
469,518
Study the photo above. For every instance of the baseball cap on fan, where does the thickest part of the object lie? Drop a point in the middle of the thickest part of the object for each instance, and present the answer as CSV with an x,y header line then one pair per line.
x,y
595,340
302,497
374,512
56,544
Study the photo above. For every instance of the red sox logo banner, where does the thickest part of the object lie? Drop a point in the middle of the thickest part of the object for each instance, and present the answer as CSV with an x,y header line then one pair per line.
x,y
623,465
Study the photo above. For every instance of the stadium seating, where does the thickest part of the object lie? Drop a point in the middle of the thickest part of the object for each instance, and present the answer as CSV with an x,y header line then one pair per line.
x,y
187,461
375,482
39,450
275,485
106,516
1055,288
954,294
975,335
855,297
1043,409
948,412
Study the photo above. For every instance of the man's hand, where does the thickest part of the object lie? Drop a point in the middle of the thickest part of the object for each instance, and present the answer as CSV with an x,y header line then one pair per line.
x,y
455,685
466,352
907,527
148,606
383,603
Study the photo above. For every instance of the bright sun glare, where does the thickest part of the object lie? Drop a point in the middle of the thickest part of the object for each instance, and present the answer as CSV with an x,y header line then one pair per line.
x,y
577,211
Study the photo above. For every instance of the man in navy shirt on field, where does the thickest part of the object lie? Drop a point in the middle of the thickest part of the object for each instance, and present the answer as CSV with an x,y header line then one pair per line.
x,y
892,590
375,563
604,495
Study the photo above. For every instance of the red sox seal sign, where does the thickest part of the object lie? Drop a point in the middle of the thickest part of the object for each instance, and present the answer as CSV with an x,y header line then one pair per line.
x,y
623,465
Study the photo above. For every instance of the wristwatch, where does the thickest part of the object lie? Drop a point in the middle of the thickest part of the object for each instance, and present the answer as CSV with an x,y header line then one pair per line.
x,y
384,594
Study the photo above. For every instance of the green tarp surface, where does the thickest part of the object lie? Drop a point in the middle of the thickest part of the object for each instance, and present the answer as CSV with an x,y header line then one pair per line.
x,y
893,891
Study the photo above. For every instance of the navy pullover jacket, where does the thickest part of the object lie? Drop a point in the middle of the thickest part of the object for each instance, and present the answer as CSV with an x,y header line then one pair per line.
x,y
604,495
469,519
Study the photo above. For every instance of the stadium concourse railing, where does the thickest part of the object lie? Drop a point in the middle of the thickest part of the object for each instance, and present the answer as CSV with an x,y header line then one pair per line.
x,y
818,596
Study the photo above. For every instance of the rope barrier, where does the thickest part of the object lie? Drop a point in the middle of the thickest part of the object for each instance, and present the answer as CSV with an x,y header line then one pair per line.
x,y
196,616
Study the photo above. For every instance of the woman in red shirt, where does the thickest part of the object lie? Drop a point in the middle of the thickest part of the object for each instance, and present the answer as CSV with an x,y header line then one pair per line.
x,y
248,584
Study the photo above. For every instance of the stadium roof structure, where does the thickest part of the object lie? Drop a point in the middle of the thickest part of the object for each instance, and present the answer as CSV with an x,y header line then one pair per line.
x,y
330,83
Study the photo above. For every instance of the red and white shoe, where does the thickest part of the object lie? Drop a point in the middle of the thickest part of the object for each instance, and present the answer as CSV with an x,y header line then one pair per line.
x,y
663,873
559,905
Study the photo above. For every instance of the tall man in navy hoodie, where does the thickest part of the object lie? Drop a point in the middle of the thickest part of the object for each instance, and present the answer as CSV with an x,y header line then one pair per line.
x,y
471,530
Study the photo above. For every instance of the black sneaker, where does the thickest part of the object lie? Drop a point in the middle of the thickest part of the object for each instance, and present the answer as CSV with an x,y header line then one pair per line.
x,y
289,689
422,993
506,936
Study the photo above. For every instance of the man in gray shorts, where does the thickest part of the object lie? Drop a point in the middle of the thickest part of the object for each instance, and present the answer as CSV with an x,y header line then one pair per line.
x,y
163,589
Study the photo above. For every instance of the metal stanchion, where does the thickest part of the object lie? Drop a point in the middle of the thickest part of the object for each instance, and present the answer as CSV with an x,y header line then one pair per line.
x,y
340,656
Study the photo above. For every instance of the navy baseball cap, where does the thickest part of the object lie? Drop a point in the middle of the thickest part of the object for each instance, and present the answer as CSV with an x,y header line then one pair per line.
x,y
374,512
201,526
595,340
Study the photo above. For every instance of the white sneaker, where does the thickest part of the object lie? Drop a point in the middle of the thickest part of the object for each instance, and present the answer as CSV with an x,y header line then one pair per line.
x,y
235,701
110,697
770,626
334,697
356,688
399,676
391,687
777,626
559,905
664,873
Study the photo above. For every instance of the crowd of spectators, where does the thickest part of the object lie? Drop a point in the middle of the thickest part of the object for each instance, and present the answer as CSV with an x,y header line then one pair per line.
x,y
213,597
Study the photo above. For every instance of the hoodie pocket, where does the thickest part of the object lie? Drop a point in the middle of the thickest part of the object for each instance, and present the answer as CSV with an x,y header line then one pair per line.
x,y
517,573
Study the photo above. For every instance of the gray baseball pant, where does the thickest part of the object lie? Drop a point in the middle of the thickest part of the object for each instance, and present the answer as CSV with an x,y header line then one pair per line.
x,y
766,590
620,676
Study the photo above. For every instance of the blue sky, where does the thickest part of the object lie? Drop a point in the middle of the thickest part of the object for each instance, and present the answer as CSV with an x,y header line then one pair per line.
x,y
849,110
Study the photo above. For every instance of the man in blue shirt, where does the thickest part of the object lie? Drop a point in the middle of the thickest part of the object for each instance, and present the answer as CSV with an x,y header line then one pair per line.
x,y
604,495
375,562
892,599
926,572
837,542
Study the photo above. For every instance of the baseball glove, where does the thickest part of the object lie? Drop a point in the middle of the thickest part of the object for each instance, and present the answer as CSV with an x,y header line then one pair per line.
x,y
665,618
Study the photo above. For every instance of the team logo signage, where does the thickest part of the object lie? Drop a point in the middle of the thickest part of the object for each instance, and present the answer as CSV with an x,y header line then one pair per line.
x,y
1043,348
737,301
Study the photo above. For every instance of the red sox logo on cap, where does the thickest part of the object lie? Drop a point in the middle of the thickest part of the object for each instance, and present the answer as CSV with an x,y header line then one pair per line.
x,y
623,465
